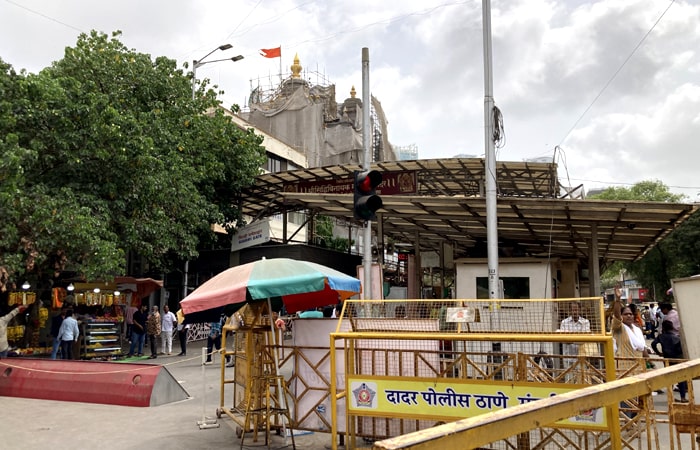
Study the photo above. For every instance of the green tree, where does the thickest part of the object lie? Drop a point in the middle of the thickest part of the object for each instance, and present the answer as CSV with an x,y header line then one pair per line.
x,y
104,153
324,231
674,257
648,191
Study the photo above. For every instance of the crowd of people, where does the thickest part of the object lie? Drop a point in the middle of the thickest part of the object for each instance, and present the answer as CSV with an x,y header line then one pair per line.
x,y
631,328
140,324
637,333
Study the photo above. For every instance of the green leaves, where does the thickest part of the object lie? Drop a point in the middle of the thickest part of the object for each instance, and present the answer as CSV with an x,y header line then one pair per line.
x,y
677,256
105,153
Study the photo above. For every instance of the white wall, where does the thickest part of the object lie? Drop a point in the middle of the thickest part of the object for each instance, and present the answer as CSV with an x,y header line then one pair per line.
x,y
539,272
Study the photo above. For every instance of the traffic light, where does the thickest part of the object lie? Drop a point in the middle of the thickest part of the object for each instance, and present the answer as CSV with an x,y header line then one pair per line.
x,y
366,202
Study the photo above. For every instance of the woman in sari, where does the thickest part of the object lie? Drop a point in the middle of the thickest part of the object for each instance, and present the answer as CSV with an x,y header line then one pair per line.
x,y
630,347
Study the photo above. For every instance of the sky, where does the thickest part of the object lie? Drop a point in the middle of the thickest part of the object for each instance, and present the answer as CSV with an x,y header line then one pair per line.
x,y
609,90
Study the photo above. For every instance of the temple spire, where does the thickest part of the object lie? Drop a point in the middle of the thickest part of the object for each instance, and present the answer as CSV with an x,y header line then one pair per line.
x,y
296,67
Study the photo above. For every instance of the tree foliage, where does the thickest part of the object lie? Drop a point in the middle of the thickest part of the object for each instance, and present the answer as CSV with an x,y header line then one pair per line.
x,y
105,152
648,191
324,231
676,256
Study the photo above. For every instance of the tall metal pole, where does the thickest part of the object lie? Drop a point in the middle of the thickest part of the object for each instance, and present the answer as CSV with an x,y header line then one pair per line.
x,y
194,76
366,144
491,203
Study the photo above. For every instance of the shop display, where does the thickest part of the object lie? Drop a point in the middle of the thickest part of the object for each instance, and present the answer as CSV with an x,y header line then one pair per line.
x,y
21,298
100,339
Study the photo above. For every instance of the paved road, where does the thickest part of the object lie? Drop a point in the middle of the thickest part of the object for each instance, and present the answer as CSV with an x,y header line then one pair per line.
x,y
29,424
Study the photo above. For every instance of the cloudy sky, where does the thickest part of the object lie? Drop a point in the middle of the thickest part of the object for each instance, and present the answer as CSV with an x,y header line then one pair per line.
x,y
609,89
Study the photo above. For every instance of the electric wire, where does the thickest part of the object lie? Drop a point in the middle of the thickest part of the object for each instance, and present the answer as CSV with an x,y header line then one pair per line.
x,y
634,50
45,16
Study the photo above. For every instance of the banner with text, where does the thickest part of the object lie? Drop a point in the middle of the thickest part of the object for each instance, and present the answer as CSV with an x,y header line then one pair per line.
x,y
452,398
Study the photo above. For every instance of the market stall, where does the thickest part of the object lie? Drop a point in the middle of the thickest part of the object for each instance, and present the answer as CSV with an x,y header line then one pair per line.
x,y
24,330
98,306
101,308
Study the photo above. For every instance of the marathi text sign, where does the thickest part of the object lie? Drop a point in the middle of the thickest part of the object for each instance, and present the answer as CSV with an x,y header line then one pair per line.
x,y
393,183
250,235
459,399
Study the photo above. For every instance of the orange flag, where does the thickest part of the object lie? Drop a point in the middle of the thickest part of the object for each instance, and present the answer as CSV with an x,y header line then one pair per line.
x,y
271,52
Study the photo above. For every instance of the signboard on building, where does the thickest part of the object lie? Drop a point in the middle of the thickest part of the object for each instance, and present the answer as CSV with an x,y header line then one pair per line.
x,y
393,183
250,235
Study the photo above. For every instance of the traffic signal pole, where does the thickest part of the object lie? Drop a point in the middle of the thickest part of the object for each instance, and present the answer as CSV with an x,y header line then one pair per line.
x,y
366,135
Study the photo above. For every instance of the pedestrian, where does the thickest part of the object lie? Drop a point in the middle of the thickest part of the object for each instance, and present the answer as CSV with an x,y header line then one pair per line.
x,y
653,313
68,334
182,330
637,316
138,332
630,347
55,327
671,348
4,320
129,320
153,328
167,325
671,315
649,324
214,339
575,323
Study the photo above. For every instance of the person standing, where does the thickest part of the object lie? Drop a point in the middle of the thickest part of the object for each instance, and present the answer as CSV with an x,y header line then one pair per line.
x,y
671,315
129,320
4,320
153,328
671,348
654,314
55,327
167,326
630,348
182,330
575,323
214,339
68,334
138,333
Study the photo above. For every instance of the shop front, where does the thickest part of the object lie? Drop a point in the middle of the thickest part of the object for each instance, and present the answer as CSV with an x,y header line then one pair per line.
x,y
99,307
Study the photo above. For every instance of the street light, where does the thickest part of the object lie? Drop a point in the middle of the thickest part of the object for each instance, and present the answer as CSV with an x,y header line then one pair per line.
x,y
196,63
25,288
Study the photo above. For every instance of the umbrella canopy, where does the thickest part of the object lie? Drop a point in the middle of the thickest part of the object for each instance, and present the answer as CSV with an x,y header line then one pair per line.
x,y
300,284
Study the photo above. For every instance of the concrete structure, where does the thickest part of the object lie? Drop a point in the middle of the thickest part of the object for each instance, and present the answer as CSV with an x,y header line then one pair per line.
x,y
308,118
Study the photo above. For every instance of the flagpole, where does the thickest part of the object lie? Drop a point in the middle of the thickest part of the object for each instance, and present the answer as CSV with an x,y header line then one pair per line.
x,y
280,63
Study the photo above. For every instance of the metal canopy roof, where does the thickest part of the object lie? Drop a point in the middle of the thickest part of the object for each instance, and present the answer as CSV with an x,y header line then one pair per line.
x,y
447,204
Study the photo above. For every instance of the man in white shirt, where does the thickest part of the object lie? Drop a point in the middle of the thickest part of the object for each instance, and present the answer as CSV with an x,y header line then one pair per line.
x,y
167,326
575,323
68,334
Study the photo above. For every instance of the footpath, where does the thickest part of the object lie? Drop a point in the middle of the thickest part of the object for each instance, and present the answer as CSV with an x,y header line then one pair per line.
x,y
31,424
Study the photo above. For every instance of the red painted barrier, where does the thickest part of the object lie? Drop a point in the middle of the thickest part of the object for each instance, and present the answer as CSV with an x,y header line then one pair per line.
x,y
87,381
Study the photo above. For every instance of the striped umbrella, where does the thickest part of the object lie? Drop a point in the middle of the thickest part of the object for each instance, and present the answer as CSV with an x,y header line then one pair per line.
x,y
300,285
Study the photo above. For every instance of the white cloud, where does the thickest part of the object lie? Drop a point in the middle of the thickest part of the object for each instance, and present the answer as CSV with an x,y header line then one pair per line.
x,y
551,60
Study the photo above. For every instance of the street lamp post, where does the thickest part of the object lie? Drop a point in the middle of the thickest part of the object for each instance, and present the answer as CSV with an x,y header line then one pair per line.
x,y
25,288
200,62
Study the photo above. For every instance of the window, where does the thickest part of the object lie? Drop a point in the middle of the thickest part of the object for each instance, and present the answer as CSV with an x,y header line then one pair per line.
x,y
513,287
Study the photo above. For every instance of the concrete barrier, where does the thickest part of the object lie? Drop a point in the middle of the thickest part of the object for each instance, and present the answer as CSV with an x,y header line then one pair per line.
x,y
89,382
